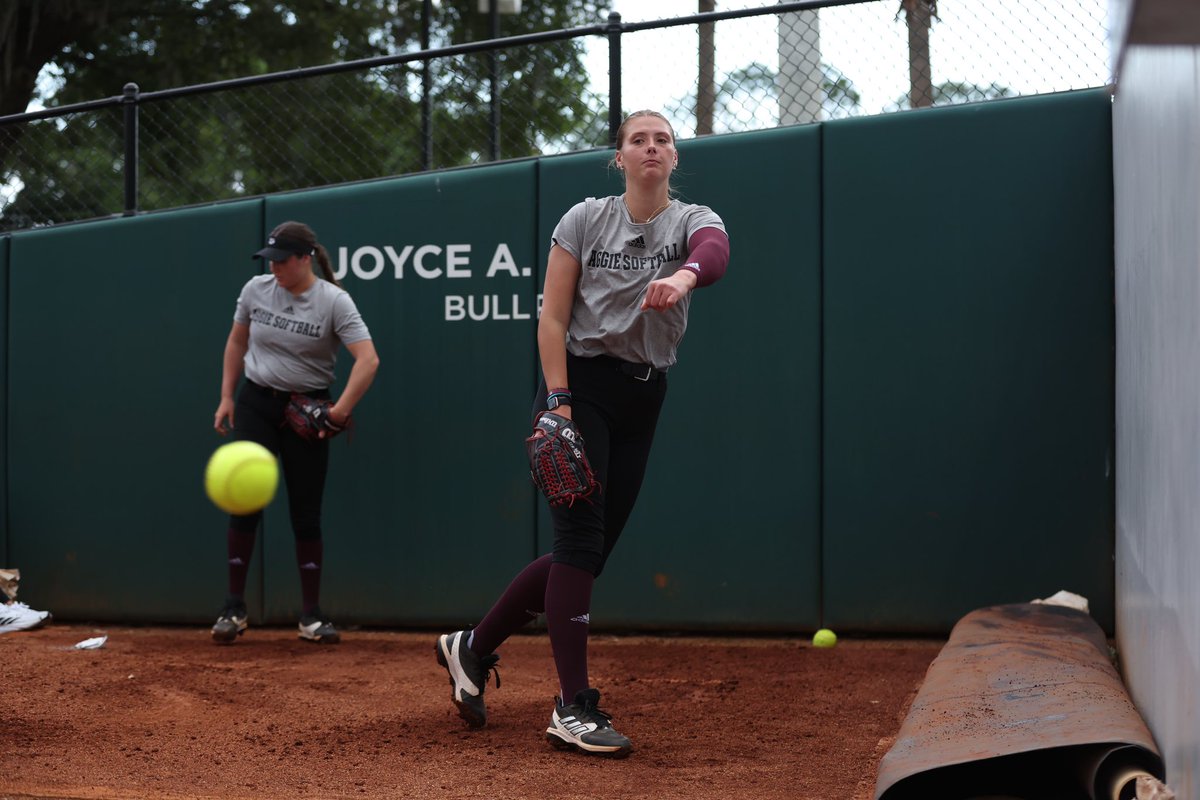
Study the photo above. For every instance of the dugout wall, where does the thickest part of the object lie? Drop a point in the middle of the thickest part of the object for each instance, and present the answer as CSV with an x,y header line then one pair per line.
x,y
895,408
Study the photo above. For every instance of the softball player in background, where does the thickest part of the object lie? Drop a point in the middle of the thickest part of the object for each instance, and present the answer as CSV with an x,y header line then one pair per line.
x,y
287,329
619,281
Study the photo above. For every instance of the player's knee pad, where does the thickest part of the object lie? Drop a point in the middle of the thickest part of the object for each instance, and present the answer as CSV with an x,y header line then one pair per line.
x,y
247,523
306,531
582,551
588,562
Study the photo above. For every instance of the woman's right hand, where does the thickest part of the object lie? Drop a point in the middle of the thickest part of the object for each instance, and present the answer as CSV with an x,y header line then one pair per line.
x,y
223,420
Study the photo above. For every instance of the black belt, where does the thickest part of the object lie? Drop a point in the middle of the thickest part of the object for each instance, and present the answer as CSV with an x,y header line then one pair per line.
x,y
283,392
641,372
258,387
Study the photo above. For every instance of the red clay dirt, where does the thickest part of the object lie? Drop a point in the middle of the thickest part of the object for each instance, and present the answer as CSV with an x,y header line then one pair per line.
x,y
165,713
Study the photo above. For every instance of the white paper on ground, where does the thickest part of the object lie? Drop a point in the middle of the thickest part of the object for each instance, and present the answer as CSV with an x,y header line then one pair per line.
x,y
92,644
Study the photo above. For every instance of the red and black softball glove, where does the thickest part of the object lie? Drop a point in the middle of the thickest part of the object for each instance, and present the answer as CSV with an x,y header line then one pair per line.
x,y
557,463
309,418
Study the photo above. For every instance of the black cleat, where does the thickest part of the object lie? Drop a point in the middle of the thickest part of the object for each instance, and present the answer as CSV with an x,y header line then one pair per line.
x,y
583,726
231,623
468,675
316,627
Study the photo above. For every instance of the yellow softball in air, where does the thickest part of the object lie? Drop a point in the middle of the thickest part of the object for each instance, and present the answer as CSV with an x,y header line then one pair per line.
x,y
824,638
241,477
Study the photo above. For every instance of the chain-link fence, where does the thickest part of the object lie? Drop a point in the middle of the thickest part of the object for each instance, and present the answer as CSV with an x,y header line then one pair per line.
x,y
745,66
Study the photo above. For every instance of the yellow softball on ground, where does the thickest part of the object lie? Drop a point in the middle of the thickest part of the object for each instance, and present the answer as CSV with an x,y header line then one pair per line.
x,y
824,638
241,477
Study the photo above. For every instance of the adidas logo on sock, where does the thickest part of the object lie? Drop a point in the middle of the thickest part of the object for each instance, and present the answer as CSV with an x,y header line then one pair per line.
x,y
640,241
586,619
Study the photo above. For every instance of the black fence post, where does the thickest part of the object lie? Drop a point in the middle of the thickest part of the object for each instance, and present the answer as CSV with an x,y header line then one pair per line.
x,y
130,101
614,77
426,90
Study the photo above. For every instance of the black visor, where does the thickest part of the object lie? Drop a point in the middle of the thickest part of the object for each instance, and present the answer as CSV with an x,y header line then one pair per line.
x,y
281,248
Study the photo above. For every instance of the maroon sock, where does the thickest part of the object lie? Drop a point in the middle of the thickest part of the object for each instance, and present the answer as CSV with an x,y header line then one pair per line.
x,y
241,547
520,604
568,604
308,556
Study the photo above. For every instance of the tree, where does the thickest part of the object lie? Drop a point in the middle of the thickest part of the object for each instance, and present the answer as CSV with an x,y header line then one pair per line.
x,y
317,131
952,92
706,95
32,33
918,17
841,99
749,93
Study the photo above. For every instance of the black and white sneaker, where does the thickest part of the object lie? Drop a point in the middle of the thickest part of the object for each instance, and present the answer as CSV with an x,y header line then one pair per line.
x,y
581,725
468,675
315,627
231,623
16,616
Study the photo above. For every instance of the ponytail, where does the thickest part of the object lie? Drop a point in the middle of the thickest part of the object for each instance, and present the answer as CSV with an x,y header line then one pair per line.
x,y
326,265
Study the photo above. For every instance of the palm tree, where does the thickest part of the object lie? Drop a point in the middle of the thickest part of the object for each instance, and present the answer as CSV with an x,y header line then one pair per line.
x,y
919,16
705,81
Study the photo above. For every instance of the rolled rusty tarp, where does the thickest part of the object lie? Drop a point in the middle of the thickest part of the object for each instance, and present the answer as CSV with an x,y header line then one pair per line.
x,y
1022,702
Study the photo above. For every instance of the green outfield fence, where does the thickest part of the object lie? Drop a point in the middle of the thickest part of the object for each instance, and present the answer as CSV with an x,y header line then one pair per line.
x,y
896,407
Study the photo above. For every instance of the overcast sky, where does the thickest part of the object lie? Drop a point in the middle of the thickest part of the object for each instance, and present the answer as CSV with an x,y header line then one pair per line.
x,y
1027,46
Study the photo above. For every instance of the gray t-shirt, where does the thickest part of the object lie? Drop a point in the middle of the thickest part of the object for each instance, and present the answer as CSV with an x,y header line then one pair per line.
x,y
619,258
294,339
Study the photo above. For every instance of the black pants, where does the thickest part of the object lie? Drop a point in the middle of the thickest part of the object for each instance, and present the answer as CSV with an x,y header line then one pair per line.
x,y
258,417
617,415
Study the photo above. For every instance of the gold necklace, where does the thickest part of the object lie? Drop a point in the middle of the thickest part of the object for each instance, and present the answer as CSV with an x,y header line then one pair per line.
x,y
653,213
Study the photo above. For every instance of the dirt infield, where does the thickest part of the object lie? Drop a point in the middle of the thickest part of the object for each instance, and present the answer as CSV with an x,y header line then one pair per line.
x,y
164,713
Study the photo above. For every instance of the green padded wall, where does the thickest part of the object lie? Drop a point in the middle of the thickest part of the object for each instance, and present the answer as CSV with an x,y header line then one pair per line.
x,y
917,315
116,330
725,535
968,361
429,508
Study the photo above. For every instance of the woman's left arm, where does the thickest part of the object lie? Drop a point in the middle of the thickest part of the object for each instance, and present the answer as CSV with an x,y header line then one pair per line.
x,y
708,254
366,364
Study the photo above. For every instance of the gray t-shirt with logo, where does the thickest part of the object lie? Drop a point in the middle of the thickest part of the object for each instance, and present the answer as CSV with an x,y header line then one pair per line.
x,y
619,258
294,339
